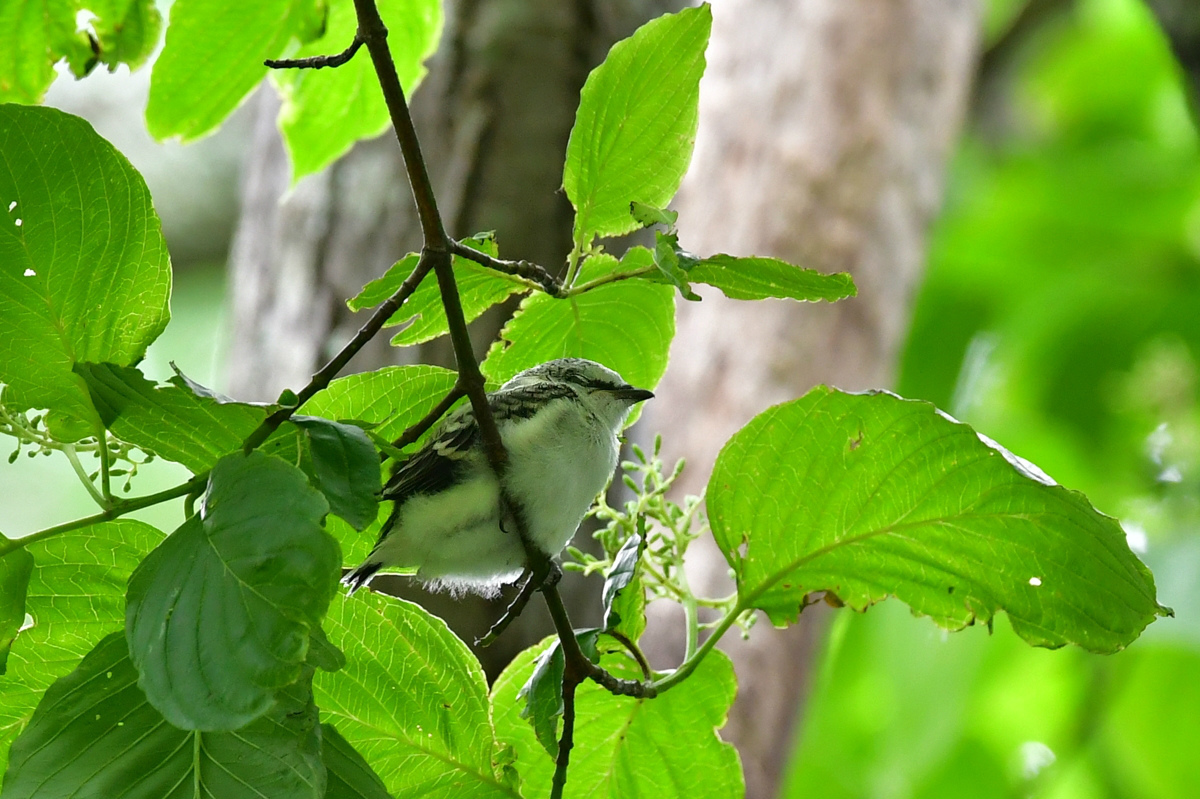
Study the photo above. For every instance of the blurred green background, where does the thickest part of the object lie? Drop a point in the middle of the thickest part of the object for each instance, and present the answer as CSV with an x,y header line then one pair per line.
x,y
1061,314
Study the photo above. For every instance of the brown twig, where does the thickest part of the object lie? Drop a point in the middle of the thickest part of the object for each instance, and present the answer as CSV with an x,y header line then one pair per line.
x,y
430,419
317,61
523,269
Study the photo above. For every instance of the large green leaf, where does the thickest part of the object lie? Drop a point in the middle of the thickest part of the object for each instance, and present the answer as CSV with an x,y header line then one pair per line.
x,y
76,596
15,569
412,699
171,420
325,111
627,326
35,34
213,58
478,289
84,272
666,747
636,124
219,615
95,734
871,495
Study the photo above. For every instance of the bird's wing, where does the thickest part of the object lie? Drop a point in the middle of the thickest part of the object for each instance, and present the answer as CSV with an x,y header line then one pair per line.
x,y
439,464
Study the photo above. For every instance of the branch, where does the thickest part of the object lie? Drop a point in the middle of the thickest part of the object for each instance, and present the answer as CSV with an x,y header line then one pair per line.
x,y
118,509
330,370
430,419
515,608
527,270
566,742
317,61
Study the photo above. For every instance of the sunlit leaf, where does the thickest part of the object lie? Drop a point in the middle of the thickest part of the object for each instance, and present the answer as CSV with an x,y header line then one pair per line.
x,y
636,124
411,699
623,597
15,569
84,271
627,326
758,278
349,776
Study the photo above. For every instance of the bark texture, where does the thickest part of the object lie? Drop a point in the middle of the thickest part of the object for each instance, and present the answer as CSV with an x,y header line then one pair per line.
x,y
825,128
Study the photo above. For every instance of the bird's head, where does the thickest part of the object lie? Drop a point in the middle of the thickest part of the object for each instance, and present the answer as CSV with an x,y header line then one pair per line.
x,y
604,392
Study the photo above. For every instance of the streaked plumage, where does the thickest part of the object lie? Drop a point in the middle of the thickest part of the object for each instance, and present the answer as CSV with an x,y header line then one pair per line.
x,y
559,423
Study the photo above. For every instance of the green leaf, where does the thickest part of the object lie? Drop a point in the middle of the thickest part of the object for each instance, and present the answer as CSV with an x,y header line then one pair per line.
x,y
326,110
411,699
623,597
350,777
871,495
542,693
219,615
15,569
213,58
84,271
390,399
627,326
95,562
173,421
666,747
478,289
648,215
321,653
95,734
674,264
345,468
36,34
636,124
759,278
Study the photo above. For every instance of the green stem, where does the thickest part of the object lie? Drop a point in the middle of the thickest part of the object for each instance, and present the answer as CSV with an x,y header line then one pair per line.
x,y
690,663
105,478
69,451
691,618
117,509
611,278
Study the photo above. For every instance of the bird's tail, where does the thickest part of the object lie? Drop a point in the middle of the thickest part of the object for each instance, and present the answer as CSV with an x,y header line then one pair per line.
x,y
362,575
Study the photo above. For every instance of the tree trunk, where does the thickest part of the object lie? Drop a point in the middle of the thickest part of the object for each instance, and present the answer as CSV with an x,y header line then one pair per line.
x,y
825,128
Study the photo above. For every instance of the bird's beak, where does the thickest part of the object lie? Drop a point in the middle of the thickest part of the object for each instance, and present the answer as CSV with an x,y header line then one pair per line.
x,y
631,394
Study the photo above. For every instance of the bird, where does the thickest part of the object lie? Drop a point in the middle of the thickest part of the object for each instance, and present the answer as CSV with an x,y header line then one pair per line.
x,y
559,423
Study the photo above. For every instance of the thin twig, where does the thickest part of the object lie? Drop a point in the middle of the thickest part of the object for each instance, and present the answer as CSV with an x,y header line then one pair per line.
x,y
566,742
523,269
105,478
606,279
634,650
317,61
330,370
430,419
529,587
73,458
118,509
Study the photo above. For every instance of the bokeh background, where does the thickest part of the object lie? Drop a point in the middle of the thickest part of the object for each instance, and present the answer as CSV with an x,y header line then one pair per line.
x,y
1058,309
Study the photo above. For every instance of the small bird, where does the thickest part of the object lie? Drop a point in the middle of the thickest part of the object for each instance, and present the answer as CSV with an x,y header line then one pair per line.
x,y
559,423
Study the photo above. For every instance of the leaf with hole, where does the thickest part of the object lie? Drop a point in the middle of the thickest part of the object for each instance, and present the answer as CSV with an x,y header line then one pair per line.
x,y
871,495
219,615
84,271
